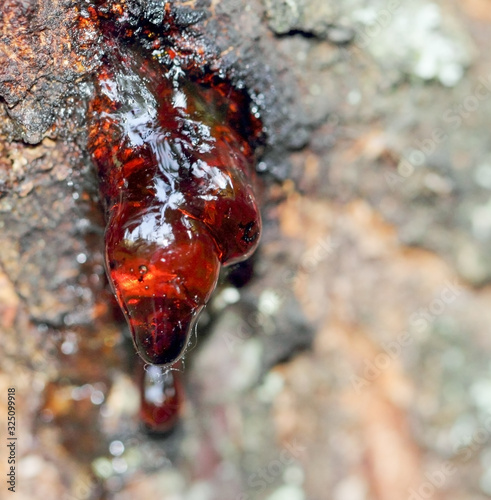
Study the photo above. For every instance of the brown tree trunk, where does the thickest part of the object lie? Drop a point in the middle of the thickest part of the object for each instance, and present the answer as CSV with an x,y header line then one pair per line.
x,y
354,364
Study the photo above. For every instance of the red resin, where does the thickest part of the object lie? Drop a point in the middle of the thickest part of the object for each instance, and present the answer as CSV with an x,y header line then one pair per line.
x,y
161,397
176,174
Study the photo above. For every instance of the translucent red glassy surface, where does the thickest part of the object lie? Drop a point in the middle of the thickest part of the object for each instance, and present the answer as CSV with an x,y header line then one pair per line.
x,y
176,174
161,397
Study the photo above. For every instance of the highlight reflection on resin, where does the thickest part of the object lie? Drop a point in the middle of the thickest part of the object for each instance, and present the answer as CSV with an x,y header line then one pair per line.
x,y
176,173
161,397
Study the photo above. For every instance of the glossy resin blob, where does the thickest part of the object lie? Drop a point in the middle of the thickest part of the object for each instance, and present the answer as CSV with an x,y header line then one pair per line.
x,y
176,173
161,397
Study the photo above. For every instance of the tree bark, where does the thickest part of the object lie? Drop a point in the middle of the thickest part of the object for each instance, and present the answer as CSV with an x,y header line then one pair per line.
x,y
353,365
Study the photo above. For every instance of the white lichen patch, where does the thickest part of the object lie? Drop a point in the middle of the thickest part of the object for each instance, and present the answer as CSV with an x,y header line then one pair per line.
x,y
430,45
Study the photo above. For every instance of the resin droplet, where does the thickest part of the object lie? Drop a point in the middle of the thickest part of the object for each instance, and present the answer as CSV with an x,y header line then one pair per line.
x,y
176,175
161,397
182,269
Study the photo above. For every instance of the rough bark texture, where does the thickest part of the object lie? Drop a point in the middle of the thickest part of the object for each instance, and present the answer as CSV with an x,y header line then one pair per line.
x,y
355,363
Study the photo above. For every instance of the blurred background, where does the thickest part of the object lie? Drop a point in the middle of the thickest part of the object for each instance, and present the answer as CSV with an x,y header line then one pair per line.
x,y
351,359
